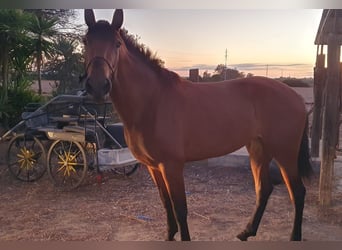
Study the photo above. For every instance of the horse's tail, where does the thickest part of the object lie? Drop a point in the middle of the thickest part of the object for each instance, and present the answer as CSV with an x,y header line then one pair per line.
x,y
304,162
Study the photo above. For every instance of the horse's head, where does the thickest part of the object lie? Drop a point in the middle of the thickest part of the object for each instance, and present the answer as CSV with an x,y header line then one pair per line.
x,y
102,45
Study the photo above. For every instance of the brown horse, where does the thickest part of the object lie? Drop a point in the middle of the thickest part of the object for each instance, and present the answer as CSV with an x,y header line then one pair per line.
x,y
169,121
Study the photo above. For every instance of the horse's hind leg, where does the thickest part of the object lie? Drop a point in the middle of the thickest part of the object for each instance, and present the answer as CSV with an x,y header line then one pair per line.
x,y
296,189
172,227
260,161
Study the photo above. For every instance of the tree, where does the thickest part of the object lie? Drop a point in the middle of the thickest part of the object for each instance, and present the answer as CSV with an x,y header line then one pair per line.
x,y
224,73
21,60
234,73
42,31
65,17
26,37
206,76
67,65
220,69
12,31
12,28
221,73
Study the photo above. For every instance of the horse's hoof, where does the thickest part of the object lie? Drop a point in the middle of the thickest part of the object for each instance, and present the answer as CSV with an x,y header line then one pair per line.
x,y
242,236
235,239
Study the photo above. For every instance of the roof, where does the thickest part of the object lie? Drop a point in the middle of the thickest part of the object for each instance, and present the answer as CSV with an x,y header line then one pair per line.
x,y
331,23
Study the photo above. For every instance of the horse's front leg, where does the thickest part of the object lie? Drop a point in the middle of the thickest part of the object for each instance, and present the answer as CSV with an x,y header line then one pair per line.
x,y
172,173
157,177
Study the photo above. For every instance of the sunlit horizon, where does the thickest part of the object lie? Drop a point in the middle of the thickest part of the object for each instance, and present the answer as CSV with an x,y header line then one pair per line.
x,y
268,70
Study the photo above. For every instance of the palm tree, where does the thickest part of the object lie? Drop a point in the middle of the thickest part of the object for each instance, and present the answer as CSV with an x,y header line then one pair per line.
x,y
21,59
67,64
42,31
12,31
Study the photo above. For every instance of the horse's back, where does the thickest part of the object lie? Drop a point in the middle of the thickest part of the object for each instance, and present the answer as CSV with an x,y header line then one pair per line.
x,y
224,116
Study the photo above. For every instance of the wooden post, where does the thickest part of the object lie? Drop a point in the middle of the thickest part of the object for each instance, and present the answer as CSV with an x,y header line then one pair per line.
x,y
330,121
340,87
319,82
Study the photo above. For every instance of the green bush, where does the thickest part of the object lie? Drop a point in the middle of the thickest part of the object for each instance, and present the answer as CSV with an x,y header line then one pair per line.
x,y
3,109
18,98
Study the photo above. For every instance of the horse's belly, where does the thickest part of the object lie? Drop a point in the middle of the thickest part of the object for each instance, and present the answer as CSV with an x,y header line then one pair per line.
x,y
217,142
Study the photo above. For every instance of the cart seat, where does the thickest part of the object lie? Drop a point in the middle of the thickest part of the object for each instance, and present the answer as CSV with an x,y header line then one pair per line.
x,y
117,131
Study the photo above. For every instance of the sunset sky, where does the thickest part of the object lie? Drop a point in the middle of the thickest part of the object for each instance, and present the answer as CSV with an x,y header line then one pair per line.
x,y
276,42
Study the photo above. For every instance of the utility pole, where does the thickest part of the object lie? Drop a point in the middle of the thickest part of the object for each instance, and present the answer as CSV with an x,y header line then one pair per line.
x,y
225,65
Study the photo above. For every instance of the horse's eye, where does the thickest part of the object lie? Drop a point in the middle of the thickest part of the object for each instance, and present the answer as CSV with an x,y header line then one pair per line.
x,y
118,44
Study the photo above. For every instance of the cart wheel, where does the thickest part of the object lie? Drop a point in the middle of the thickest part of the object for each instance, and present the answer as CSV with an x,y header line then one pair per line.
x,y
26,158
67,164
127,170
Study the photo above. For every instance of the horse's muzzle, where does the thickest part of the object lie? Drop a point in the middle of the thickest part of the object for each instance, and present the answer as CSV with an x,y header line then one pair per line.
x,y
98,89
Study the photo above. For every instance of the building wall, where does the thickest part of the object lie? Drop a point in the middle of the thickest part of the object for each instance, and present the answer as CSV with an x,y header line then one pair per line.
x,y
48,86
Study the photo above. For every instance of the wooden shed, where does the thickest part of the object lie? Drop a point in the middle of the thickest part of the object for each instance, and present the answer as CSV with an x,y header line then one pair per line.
x,y
327,99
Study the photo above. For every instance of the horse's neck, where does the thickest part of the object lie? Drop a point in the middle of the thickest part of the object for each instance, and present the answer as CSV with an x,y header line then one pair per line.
x,y
134,88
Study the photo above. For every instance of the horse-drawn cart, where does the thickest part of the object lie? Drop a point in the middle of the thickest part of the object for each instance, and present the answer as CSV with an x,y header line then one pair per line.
x,y
68,136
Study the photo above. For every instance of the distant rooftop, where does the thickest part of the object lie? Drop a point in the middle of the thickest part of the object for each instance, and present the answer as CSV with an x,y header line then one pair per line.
x,y
331,23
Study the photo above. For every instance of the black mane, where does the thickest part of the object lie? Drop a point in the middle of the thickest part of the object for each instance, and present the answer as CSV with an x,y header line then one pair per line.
x,y
104,29
146,55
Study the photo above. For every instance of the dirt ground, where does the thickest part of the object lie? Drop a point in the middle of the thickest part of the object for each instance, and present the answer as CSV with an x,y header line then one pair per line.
x,y
220,201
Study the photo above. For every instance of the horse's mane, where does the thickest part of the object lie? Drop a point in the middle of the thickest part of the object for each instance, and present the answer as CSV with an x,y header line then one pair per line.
x,y
147,56
104,28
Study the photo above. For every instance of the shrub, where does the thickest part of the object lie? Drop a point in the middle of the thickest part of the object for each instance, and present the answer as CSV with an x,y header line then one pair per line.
x,y
18,98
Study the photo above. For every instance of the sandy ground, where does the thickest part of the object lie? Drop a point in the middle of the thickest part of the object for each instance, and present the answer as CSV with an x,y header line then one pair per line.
x,y
220,201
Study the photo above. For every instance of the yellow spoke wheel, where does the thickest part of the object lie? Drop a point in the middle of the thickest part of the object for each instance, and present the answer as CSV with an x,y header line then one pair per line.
x,y
67,164
26,158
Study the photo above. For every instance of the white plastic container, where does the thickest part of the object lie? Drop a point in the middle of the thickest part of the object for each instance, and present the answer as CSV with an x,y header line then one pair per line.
x,y
115,156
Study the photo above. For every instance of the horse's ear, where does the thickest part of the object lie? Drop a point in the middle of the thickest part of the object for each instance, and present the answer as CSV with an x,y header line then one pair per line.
x,y
89,17
117,19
